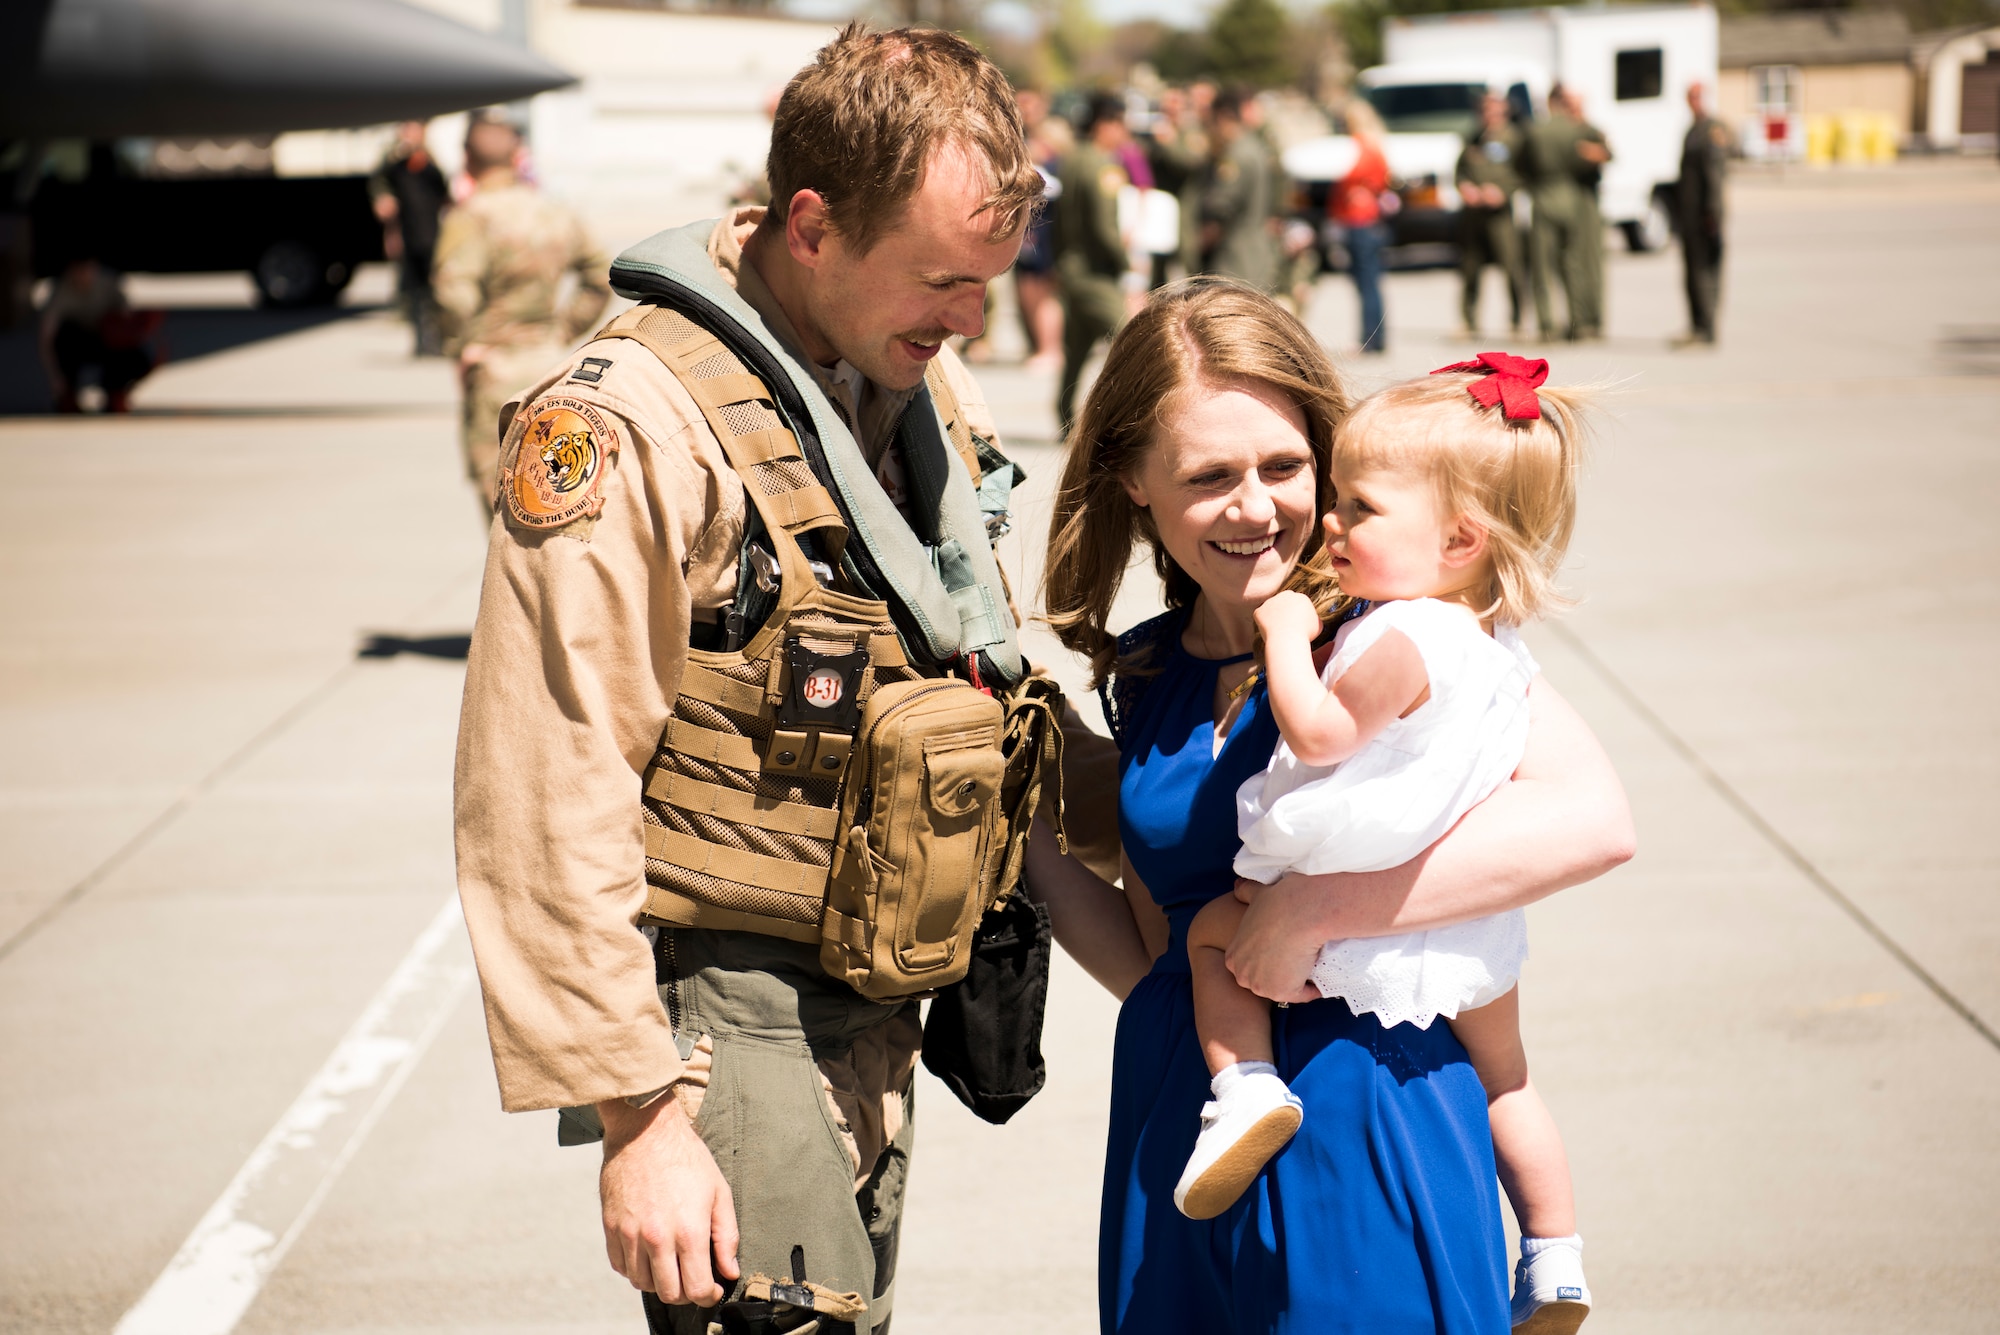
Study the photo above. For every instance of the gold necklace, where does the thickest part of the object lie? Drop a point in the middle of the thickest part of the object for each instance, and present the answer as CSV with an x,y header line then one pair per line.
x,y
1242,688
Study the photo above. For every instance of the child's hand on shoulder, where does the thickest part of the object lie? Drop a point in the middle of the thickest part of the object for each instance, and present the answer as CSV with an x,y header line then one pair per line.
x,y
1288,614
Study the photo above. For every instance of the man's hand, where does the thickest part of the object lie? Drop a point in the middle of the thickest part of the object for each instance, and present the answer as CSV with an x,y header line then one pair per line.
x,y
666,1205
1287,613
1277,942
469,359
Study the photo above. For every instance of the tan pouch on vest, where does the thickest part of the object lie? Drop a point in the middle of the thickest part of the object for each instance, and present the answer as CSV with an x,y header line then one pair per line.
x,y
920,857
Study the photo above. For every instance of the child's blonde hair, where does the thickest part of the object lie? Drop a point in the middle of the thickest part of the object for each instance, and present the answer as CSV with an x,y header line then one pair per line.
x,y
1516,479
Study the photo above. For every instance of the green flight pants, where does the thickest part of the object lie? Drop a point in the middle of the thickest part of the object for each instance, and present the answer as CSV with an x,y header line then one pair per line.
x,y
1489,236
1568,245
799,1070
1093,310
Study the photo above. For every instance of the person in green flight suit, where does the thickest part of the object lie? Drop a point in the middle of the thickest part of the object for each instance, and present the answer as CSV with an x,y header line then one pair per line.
x,y
1093,266
1177,150
1488,175
1562,159
1238,195
1698,216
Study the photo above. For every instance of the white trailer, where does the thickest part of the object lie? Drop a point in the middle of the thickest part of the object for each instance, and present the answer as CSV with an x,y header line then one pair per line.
x,y
1631,65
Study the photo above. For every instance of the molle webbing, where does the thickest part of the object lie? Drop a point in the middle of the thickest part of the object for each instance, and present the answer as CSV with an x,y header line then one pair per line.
x,y
731,844
738,408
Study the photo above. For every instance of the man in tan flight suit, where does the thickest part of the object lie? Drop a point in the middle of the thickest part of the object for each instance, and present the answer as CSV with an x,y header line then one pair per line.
x,y
749,1103
502,257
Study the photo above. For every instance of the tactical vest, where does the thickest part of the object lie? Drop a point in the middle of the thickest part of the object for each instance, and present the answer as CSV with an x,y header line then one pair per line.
x,y
857,762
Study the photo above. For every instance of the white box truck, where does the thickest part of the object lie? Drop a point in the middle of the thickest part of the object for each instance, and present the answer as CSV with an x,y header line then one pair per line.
x,y
1631,64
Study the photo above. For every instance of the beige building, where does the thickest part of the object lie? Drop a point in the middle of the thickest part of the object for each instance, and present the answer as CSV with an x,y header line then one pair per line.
x,y
1781,71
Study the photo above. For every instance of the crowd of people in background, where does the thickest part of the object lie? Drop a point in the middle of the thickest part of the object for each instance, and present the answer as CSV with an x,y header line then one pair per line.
x,y
1527,187
1140,189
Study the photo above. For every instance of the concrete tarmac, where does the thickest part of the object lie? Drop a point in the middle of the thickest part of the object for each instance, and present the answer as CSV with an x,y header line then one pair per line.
x,y
1768,1040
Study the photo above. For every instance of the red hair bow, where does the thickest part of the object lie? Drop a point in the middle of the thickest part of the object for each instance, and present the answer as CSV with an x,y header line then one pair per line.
x,y
1510,381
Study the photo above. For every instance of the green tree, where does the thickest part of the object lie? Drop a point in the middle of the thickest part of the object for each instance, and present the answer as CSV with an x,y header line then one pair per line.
x,y
1250,42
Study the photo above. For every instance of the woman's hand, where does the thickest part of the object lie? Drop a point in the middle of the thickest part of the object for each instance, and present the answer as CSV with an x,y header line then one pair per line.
x,y
1278,940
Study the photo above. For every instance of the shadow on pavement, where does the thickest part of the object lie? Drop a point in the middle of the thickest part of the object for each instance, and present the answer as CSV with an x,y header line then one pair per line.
x,y
186,333
430,646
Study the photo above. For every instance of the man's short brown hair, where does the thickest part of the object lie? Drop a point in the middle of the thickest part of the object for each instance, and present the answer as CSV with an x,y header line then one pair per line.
x,y
860,125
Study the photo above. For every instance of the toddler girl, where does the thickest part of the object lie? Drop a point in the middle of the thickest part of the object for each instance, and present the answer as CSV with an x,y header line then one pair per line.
x,y
1455,496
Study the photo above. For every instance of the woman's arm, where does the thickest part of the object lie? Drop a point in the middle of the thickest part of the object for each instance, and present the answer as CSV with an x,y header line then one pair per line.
x,y
1563,821
1152,920
1092,919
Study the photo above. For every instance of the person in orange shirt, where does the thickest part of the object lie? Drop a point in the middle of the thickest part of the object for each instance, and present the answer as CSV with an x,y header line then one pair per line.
x,y
1357,206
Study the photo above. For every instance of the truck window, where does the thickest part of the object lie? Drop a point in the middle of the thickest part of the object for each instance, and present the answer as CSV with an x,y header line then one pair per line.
x,y
1640,74
1417,107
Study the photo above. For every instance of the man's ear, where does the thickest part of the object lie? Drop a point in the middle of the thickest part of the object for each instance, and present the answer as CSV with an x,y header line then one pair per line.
x,y
808,228
1464,542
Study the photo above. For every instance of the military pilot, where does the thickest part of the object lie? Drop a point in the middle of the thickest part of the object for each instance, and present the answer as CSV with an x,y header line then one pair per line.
x,y
1698,215
1237,199
1563,157
1488,176
502,256
710,516
1093,263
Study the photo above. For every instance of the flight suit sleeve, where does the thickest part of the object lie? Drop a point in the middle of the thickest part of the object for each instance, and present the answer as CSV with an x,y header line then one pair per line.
x,y
1462,174
458,277
576,656
1226,193
592,268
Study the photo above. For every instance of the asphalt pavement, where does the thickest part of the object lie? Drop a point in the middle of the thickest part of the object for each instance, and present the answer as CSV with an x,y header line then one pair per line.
x,y
246,1073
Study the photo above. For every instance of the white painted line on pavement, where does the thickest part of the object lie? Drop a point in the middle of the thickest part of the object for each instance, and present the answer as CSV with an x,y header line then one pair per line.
x,y
219,1270
1785,847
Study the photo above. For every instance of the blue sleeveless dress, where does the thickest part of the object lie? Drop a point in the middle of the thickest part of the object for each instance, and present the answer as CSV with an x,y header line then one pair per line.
x,y
1382,1217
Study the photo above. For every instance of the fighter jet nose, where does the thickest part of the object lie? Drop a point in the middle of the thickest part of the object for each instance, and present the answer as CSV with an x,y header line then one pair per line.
x,y
102,68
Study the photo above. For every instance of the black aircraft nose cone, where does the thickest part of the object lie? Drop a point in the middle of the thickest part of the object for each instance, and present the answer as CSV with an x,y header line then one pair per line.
x,y
104,68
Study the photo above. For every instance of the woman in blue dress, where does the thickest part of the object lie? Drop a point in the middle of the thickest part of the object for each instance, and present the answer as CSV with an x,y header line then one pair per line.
x,y
1206,439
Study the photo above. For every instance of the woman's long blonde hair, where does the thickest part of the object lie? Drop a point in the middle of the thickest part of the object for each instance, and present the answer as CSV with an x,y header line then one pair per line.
x,y
1204,331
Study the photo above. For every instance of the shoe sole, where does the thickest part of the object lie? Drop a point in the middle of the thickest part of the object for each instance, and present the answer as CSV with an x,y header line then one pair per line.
x,y
1227,1178
1554,1319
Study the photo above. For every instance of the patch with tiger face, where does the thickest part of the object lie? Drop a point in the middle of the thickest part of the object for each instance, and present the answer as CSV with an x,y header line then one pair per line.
x,y
558,466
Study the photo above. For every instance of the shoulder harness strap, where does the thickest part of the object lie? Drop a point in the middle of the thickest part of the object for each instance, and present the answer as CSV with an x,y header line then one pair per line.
x,y
956,427
738,407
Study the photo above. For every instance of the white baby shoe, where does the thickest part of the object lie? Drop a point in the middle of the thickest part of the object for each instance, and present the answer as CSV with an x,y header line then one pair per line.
x,y
1550,1297
1253,1115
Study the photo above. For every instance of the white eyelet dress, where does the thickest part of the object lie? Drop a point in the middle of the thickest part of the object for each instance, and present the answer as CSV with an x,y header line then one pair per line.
x,y
1393,799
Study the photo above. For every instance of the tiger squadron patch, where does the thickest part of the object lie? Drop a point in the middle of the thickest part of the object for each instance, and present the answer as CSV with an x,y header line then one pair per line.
x,y
558,468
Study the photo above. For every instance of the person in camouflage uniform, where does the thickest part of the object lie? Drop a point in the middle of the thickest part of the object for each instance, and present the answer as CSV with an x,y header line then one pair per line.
x,y
501,259
1564,156
1092,261
1488,175
1238,196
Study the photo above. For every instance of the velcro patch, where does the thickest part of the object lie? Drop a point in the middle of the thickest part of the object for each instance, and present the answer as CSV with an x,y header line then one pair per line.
x,y
558,468
591,370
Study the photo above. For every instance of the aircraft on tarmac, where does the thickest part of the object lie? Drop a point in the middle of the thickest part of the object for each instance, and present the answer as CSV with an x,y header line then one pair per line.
x,y
102,70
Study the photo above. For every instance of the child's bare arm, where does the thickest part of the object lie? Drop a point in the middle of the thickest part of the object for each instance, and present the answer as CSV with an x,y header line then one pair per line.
x,y
1325,727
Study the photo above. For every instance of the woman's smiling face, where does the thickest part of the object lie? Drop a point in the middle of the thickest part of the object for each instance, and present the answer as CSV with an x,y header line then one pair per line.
x,y
1229,482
